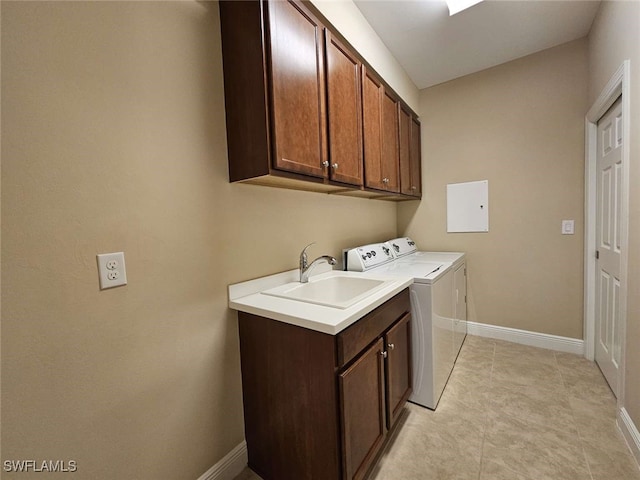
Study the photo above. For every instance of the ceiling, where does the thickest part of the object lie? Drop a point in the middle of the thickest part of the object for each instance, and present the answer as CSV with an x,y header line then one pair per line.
x,y
434,47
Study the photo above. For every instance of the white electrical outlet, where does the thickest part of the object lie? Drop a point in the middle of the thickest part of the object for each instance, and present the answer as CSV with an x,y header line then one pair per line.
x,y
112,264
111,270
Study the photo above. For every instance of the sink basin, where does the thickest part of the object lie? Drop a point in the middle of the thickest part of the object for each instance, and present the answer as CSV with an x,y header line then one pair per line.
x,y
337,291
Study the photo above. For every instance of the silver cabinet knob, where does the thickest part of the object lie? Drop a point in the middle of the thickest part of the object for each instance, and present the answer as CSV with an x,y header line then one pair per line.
x,y
414,188
335,166
391,346
325,164
384,354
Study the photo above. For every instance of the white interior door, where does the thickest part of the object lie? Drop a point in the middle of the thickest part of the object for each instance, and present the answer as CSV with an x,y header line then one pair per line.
x,y
608,242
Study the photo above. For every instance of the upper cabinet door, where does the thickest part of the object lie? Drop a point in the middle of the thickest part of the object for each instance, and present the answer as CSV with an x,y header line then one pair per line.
x,y
416,159
410,155
372,91
405,147
390,147
296,39
344,113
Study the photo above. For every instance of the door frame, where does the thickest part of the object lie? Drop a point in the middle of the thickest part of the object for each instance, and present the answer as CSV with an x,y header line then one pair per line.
x,y
617,85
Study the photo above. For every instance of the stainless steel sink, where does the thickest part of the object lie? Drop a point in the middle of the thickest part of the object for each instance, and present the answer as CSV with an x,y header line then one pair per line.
x,y
337,290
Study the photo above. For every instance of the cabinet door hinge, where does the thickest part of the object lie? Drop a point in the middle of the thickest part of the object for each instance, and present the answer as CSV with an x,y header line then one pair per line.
x,y
597,254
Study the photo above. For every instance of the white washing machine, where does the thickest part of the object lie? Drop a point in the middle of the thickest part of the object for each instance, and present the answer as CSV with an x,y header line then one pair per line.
x,y
437,337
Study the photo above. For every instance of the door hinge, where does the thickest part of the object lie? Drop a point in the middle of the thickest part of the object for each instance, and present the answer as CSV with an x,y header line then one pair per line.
x,y
597,254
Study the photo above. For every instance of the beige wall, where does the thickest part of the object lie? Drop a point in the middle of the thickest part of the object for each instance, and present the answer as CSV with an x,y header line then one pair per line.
x,y
615,37
113,139
520,126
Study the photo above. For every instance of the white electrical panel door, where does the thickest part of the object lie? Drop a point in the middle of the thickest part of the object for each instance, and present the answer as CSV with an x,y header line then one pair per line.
x,y
468,207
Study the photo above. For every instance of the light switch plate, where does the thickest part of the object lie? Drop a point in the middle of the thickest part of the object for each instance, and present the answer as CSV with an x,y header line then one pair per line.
x,y
567,227
111,270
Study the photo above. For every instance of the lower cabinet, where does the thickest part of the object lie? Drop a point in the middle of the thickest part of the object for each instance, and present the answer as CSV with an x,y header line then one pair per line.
x,y
362,398
320,406
398,372
372,393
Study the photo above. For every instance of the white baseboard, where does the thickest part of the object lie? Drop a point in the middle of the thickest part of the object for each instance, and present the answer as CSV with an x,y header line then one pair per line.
x,y
524,337
230,466
630,432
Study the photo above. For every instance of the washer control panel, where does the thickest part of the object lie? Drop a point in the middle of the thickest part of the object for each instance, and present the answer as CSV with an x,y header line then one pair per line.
x,y
361,259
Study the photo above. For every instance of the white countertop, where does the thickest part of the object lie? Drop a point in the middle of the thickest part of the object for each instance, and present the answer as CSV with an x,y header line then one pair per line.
x,y
247,297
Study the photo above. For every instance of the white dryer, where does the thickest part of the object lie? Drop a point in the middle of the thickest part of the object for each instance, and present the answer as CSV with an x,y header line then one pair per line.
x,y
435,342
406,251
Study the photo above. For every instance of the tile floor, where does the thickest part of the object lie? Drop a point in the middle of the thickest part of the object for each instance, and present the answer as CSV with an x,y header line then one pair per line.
x,y
511,412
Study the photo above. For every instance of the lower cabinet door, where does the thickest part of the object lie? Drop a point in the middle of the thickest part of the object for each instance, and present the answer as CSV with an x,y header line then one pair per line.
x,y
399,375
362,398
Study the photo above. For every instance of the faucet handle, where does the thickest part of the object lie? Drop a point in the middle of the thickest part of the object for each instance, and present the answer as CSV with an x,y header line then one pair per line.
x,y
303,255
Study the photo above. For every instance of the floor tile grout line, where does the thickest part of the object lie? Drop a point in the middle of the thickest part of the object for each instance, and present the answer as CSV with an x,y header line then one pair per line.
x,y
486,416
581,437
563,392
573,415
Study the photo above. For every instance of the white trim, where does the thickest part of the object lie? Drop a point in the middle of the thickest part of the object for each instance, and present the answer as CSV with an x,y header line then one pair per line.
x,y
630,432
525,337
230,466
591,135
619,84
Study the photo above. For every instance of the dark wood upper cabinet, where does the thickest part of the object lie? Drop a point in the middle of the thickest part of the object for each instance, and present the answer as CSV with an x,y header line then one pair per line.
x,y
245,90
405,146
296,44
372,91
410,173
390,153
415,152
344,112
381,154
274,83
303,109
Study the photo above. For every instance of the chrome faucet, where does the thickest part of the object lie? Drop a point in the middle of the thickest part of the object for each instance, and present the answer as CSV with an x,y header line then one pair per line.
x,y
305,267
